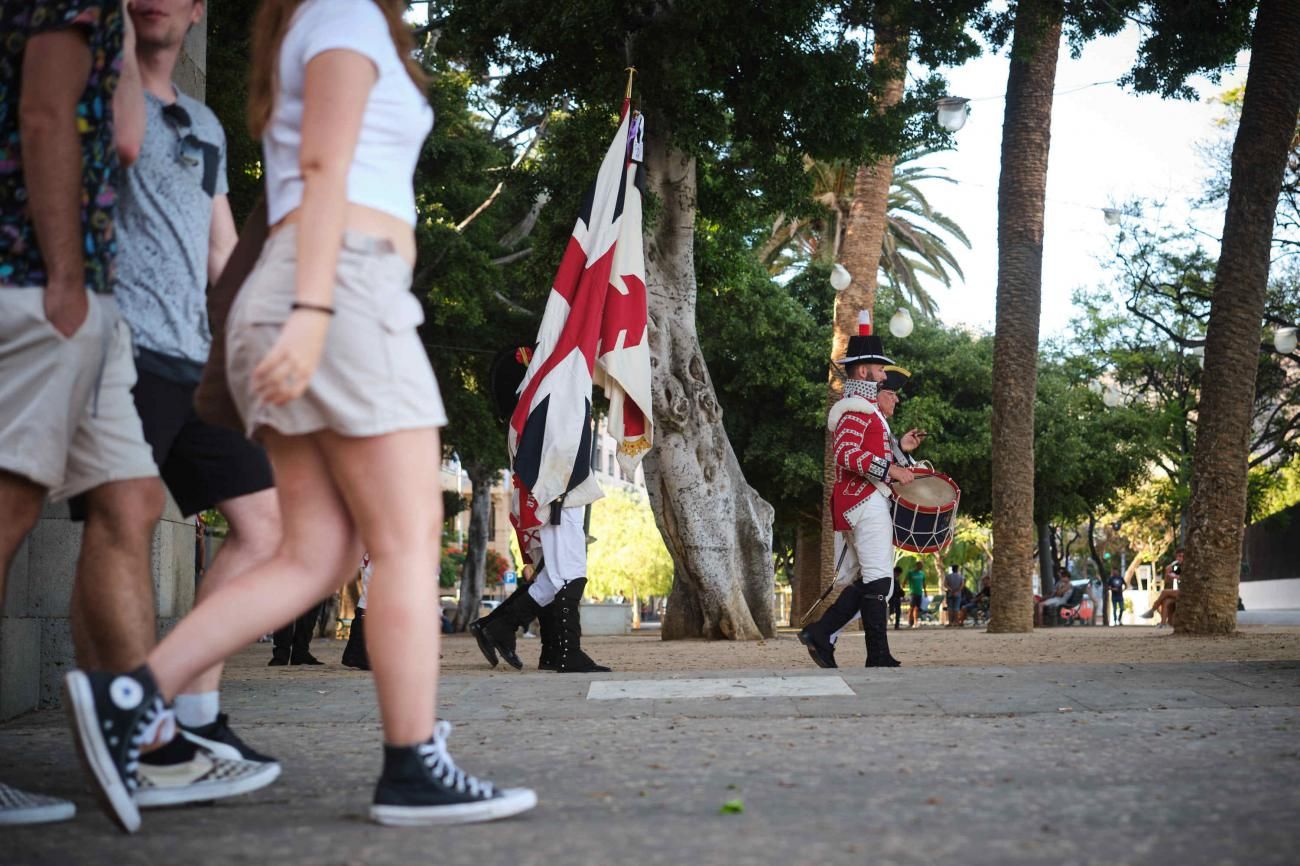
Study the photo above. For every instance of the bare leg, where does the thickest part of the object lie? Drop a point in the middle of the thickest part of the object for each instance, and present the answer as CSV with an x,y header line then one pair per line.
x,y
317,552
20,508
254,534
112,598
391,485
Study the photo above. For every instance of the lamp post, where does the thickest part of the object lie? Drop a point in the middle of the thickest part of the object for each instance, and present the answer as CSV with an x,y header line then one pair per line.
x,y
951,112
900,324
840,277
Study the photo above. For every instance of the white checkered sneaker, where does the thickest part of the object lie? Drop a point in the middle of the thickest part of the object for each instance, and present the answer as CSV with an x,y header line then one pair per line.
x,y
204,777
20,807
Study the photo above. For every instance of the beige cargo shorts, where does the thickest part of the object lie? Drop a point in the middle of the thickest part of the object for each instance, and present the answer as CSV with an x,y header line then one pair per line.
x,y
67,418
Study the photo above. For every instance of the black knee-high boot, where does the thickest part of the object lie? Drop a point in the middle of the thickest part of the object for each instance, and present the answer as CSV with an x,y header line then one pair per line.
x,y
496,634
875,624
354,654
478,627
817,637
550,638
570,658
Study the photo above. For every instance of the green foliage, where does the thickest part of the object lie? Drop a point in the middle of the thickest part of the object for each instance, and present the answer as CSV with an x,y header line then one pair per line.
x,y
752,86
1085,454
1179,39
467,321
1145,330
628,554
766,350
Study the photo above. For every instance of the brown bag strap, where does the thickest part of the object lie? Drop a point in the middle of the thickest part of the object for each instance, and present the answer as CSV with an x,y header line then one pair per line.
x,y
212,400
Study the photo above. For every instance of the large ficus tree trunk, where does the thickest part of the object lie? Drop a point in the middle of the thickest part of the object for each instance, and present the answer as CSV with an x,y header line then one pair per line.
x,y
1022,189
1207,604
864,236
474,572
717,528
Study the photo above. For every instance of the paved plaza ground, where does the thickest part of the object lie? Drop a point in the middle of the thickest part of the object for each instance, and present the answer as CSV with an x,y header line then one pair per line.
x,y
1105,746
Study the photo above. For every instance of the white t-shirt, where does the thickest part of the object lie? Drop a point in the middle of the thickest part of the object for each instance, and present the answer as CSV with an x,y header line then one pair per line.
x,y
397,117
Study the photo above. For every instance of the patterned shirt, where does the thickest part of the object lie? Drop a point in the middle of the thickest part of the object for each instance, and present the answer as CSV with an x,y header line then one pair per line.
x,y
21,264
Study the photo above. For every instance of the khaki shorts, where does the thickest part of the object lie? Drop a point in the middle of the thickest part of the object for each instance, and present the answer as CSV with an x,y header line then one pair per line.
x,y
67,419
374,375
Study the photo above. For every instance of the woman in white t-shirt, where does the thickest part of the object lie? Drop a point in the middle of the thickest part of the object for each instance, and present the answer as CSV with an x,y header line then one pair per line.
x,y
329,374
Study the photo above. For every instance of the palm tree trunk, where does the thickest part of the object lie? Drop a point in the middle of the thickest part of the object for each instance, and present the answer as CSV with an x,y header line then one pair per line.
x,y
473,575
1216,514
859,252
717,528
1026,136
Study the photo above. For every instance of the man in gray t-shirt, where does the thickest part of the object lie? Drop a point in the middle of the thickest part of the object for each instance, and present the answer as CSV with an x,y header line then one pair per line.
x,y
175,232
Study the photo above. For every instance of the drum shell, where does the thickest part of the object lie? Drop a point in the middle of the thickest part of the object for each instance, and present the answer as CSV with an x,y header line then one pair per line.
x,y
925,528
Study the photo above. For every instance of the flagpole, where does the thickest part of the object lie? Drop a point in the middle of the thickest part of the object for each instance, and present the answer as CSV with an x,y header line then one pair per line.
x,y
631,71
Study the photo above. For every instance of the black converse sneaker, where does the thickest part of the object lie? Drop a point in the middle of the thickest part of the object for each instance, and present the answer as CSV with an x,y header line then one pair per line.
x,y
182,772
20,807
422,785
220,741
114,717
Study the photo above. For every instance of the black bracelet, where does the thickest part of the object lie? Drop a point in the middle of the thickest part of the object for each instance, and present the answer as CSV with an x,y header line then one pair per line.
x,y
316,308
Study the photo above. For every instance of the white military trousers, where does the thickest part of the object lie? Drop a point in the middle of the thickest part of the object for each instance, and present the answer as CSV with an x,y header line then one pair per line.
x,y
564,555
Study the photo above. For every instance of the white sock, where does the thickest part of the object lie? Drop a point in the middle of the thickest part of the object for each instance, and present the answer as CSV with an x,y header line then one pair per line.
x,y
197,710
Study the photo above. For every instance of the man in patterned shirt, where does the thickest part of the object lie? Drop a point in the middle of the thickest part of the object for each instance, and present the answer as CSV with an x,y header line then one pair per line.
x,y
67,423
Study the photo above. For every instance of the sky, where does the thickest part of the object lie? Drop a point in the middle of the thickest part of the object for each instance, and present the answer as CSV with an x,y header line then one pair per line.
x,y
1109,146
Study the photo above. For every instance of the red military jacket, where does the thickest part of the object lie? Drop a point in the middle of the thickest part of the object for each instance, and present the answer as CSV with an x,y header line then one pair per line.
x,y
864,449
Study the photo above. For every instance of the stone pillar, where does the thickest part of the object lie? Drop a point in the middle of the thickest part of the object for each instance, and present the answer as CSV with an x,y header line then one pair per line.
x,y
35,632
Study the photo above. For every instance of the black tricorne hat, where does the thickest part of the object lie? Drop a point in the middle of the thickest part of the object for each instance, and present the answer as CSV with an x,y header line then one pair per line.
x,y
895,378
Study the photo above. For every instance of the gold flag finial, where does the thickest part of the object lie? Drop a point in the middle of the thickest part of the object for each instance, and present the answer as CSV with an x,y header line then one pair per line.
x,y
631,72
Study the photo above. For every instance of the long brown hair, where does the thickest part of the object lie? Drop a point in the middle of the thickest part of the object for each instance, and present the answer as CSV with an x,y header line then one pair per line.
x,y
273,17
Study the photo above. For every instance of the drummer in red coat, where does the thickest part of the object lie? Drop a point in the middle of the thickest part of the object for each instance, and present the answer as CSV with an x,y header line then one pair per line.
x,y
867,460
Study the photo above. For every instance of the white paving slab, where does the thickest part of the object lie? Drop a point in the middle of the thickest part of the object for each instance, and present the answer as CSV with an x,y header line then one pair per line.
x,y
746,687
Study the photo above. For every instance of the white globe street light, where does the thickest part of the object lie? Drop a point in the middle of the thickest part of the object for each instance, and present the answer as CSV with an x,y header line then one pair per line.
x,y
840,277
900,324
952,112
1284,340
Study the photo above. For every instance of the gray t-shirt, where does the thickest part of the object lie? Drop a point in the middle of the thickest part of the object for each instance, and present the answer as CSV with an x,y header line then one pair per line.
x,y
164,216
953,581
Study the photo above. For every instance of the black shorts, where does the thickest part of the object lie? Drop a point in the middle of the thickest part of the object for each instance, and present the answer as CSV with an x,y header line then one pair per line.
x,y
201,464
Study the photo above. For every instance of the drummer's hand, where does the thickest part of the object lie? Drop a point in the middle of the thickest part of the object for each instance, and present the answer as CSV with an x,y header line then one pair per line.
x,y
912,439
901,475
